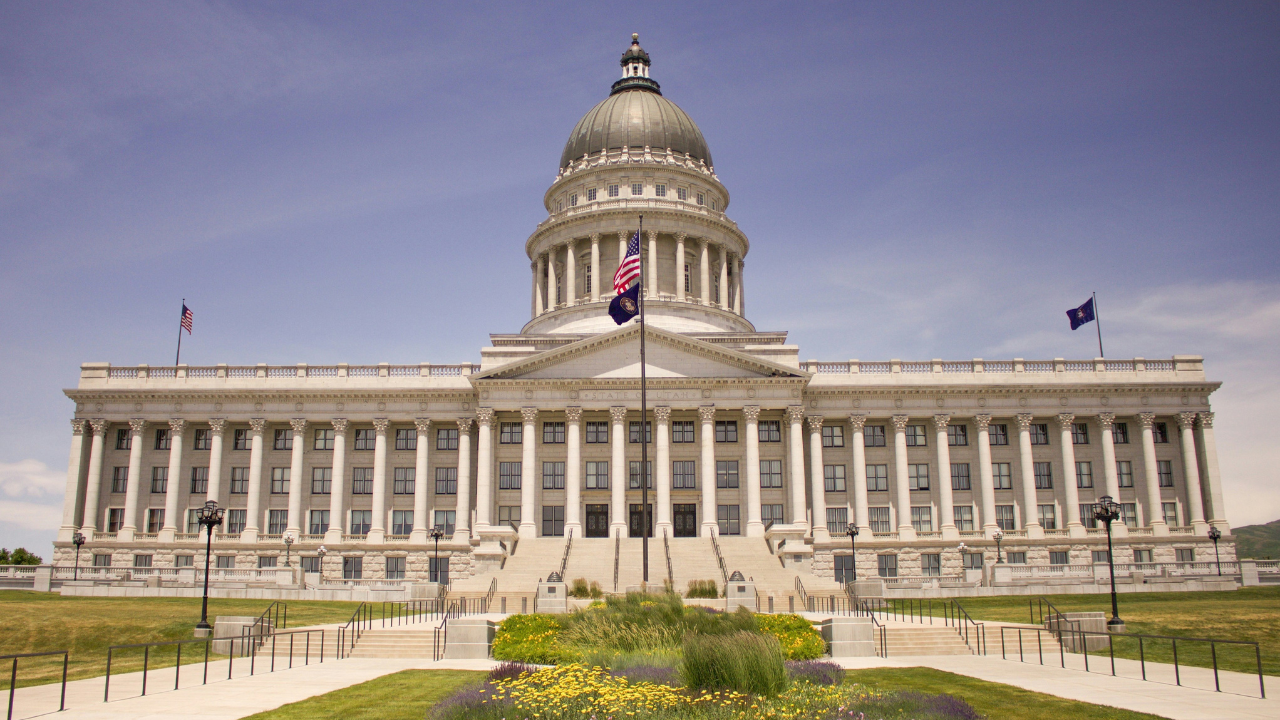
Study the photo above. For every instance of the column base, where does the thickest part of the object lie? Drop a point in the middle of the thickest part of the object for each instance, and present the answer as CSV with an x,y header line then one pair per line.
x,y
417,537
249,536
1159,529
462,536
166,535
950,532
1119,530
65,532
376,536
571,528
906,532
1199,527
618,529
989,531
126,534
1076,530
821,535
1034,531
755,529
708,529
528,530
333,536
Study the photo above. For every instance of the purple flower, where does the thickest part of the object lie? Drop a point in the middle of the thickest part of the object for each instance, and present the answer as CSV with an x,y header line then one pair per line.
x,y
818,672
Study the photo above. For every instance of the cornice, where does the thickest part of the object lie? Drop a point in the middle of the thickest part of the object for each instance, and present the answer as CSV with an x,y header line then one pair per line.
x,y
688,219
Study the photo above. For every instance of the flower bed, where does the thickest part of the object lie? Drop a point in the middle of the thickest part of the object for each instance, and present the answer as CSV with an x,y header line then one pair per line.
x,y
797,636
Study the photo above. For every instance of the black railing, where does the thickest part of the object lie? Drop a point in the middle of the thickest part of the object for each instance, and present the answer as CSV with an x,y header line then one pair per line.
x,y
724,570
13,676
564,560
493,588
617,550
666,547
349,633
804,597
405,612
973,632
1056,619
439,638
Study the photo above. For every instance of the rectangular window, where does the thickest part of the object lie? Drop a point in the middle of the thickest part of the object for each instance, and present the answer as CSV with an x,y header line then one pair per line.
x,y
277,521
833,478
1100,556
360,521
159,479
352,568
1004,517
1124,473
768,431
445,521
553,521
637,189
119,479
1170,513
239,481
447,481
1016,558
447,439
832,436
1164,472
918,476
509,476
922,519
960,476
844,568
283,440
401,522
963,517
510,433
930,564
395,565
552,475
199,480
972,561
404,482
193,521
1185,554
319,524
115,519
598,432
235,521
266,562
998,434
916,437
682,194
591,195
957,435
688,282
770,514
124,439
634,476
726,431
727,519
310,563
438,570
1044,476
1129,514
887,565
184,561
321,481
684,475
1059,557
1079,434
1087,518
597,475
155,520
509,515
1160,432
1001,476
142,561
162,438
225,562
366,439
1084,475
573,200
682,431
770,473
323,439
837,520
660,190
1120,433
877,478
553,433
701,199
407,439
633,434
613,191
362,481
873,436
878,517
202,441
726,473
280,481
1142,556
1039,434
1048,516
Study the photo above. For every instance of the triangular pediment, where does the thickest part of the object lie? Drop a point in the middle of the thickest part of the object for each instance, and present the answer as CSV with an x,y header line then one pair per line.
x,y
617,355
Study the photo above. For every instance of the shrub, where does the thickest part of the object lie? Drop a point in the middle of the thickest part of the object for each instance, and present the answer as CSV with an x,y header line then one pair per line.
x,y
818,672
595,591
743,662
797,636
510,669
530,639
702,589
579,589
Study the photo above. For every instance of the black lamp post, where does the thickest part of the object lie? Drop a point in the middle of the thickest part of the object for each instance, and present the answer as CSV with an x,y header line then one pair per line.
x,y
436,534
1215,535
288,543
852,532
78,540
998,536
209,516
1107,511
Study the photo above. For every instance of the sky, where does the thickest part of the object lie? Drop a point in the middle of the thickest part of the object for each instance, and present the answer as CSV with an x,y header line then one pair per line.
x,y
354,182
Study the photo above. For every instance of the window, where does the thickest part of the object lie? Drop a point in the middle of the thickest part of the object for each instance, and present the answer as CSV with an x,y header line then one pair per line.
x,y
1084,474
510,433
1004,517
1087,518
184,561
833,478
447,480
1040,434
634,475
1120,433
310,563
727,519
284,440
1016,558
239,481
770,514
115,519
701,199
360,521
598,432
682,431
401,522
447,439
1044,476
362,481
844,568
726,431
963,517
1100,556
266,562
1164,471
770,473
445,521
878,517
726,473
887,565
553,521
918,476
321,481
1185,554
124,439
1079,434
225,562
998,434
159,479
324,440
1142,556
199,480
142,561
202,441
1170,510
407,439
637,189
1001,476
119,479
1160,432
508,476
404,481
277,521
553,433
155,519
352,568
837,520
873,436
509,515
586,278
972,561
682,194
877,478
1059,557
1048,516
573,200
319,524
633,434
930,564
832,436
1124,473
597,475
591,195
366,439
916,437
769,431
957,435
553,476
1129,514
922,519
193,521
162,438
438,570
660,190
613,191
688,282
684,476
960,476
395,565
235,522
280,481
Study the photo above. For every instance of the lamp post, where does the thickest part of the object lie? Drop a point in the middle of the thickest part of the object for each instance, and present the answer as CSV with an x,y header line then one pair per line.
x,y
434,575
998,536
1215,535
1106,512
962,548
322,552
288,542
852,531
78,540
209,517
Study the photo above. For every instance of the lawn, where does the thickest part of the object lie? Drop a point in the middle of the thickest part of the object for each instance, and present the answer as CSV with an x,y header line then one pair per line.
x,y
405,695
38,622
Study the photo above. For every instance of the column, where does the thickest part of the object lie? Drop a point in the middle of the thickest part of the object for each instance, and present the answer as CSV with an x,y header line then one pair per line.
x,y
704,272
421,481
901,489
986,479
662,471
623,237
177,429
484,469
338,485
680,266
573,472
378,524
553,298
946,505
1155,513
75,470
1212,475
93,486
1030,513
755,525
571,272
707,414
618,472
297,485
217,426
528,447
817,479
795,458
537,281
724,292
737,292
462,513
130,526
1191,472
252,522
1070,488
860,514
1110,477
595,267
651,265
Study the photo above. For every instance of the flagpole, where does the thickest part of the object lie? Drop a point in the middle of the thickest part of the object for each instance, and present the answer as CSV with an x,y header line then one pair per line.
x,y
178,357
644,424
1097,319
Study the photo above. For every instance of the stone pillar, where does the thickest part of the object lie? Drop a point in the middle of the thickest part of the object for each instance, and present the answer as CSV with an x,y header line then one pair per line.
x,y
529,456
1212,475
662,471
860,514
1110,475
618,472
93,486
253,521
1155,513
421,483
130,526
1030,516
296,522
595,267
737,299
1070,490
338,484
902,490
177,429
538,291
680,237
217,426
707,414
378,525
623,237
462,513
573,472
71,507
1191,472
946,505
553,298
986,479
817,479
651,264
704,272
755,524
724,286
795,457
571,272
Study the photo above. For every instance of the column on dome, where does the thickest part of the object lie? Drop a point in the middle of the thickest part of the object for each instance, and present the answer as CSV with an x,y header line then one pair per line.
x,y
707,415
571,272
130,526
296,522
93,486
737,300
217,426
860,514
1030,516
253,504
421,483
573,472
662,473
901,489
723,300
617,472
680,237
595,268
338,484
1191,472
795,463
538,275
177,429
817,479
462,513
1151,474
378,524
755,524
71,508
651,264
986,479
946,503
528,447
1070,488
1211,474
704,272
553,297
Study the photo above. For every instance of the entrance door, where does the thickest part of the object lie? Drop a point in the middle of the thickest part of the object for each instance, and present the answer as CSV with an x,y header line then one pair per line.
x,y
685,520
634,525
598,521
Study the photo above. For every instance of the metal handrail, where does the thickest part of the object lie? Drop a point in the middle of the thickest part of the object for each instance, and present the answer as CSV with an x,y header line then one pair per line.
x,y
349,632
13,676
963,621
404,612
439,639
724,570
1038,608
666,547
804,596
493,588
271,616
564,561
617,550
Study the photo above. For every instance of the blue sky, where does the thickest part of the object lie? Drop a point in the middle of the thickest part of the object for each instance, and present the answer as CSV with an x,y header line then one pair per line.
x,y
342,182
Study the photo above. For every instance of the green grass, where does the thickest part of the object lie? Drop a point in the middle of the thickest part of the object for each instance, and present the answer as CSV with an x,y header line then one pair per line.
x,y
405,695
39,622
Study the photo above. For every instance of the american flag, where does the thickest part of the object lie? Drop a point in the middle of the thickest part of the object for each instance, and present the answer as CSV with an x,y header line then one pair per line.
x,y
186,318
629,268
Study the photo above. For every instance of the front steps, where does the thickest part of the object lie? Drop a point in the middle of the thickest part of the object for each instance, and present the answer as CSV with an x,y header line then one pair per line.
x,y
417,642
906,641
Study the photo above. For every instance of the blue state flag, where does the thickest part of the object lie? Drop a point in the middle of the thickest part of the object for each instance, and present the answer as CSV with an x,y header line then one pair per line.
x,y
1081,315
625,306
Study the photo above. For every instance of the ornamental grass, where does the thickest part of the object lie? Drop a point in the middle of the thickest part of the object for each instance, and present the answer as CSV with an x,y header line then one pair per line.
x,y
744,661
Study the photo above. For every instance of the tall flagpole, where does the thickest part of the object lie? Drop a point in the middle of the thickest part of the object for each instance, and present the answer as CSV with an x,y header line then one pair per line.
x,y
1097,319
644,422
178,357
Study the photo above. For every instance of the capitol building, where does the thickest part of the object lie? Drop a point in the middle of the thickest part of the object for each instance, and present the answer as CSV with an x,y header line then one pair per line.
x,y
530,459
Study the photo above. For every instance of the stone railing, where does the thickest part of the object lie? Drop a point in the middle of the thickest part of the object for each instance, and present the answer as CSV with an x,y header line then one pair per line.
x,y
1100,571
638,204
263,372
1017,366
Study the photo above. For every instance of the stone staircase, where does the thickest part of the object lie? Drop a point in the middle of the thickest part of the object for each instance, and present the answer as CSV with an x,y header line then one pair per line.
x,y
691,559
906,640
415,641
591,559
534,559
751,557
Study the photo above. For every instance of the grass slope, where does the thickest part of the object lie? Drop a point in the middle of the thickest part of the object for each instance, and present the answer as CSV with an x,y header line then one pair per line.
x,y
406,695
1258,541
